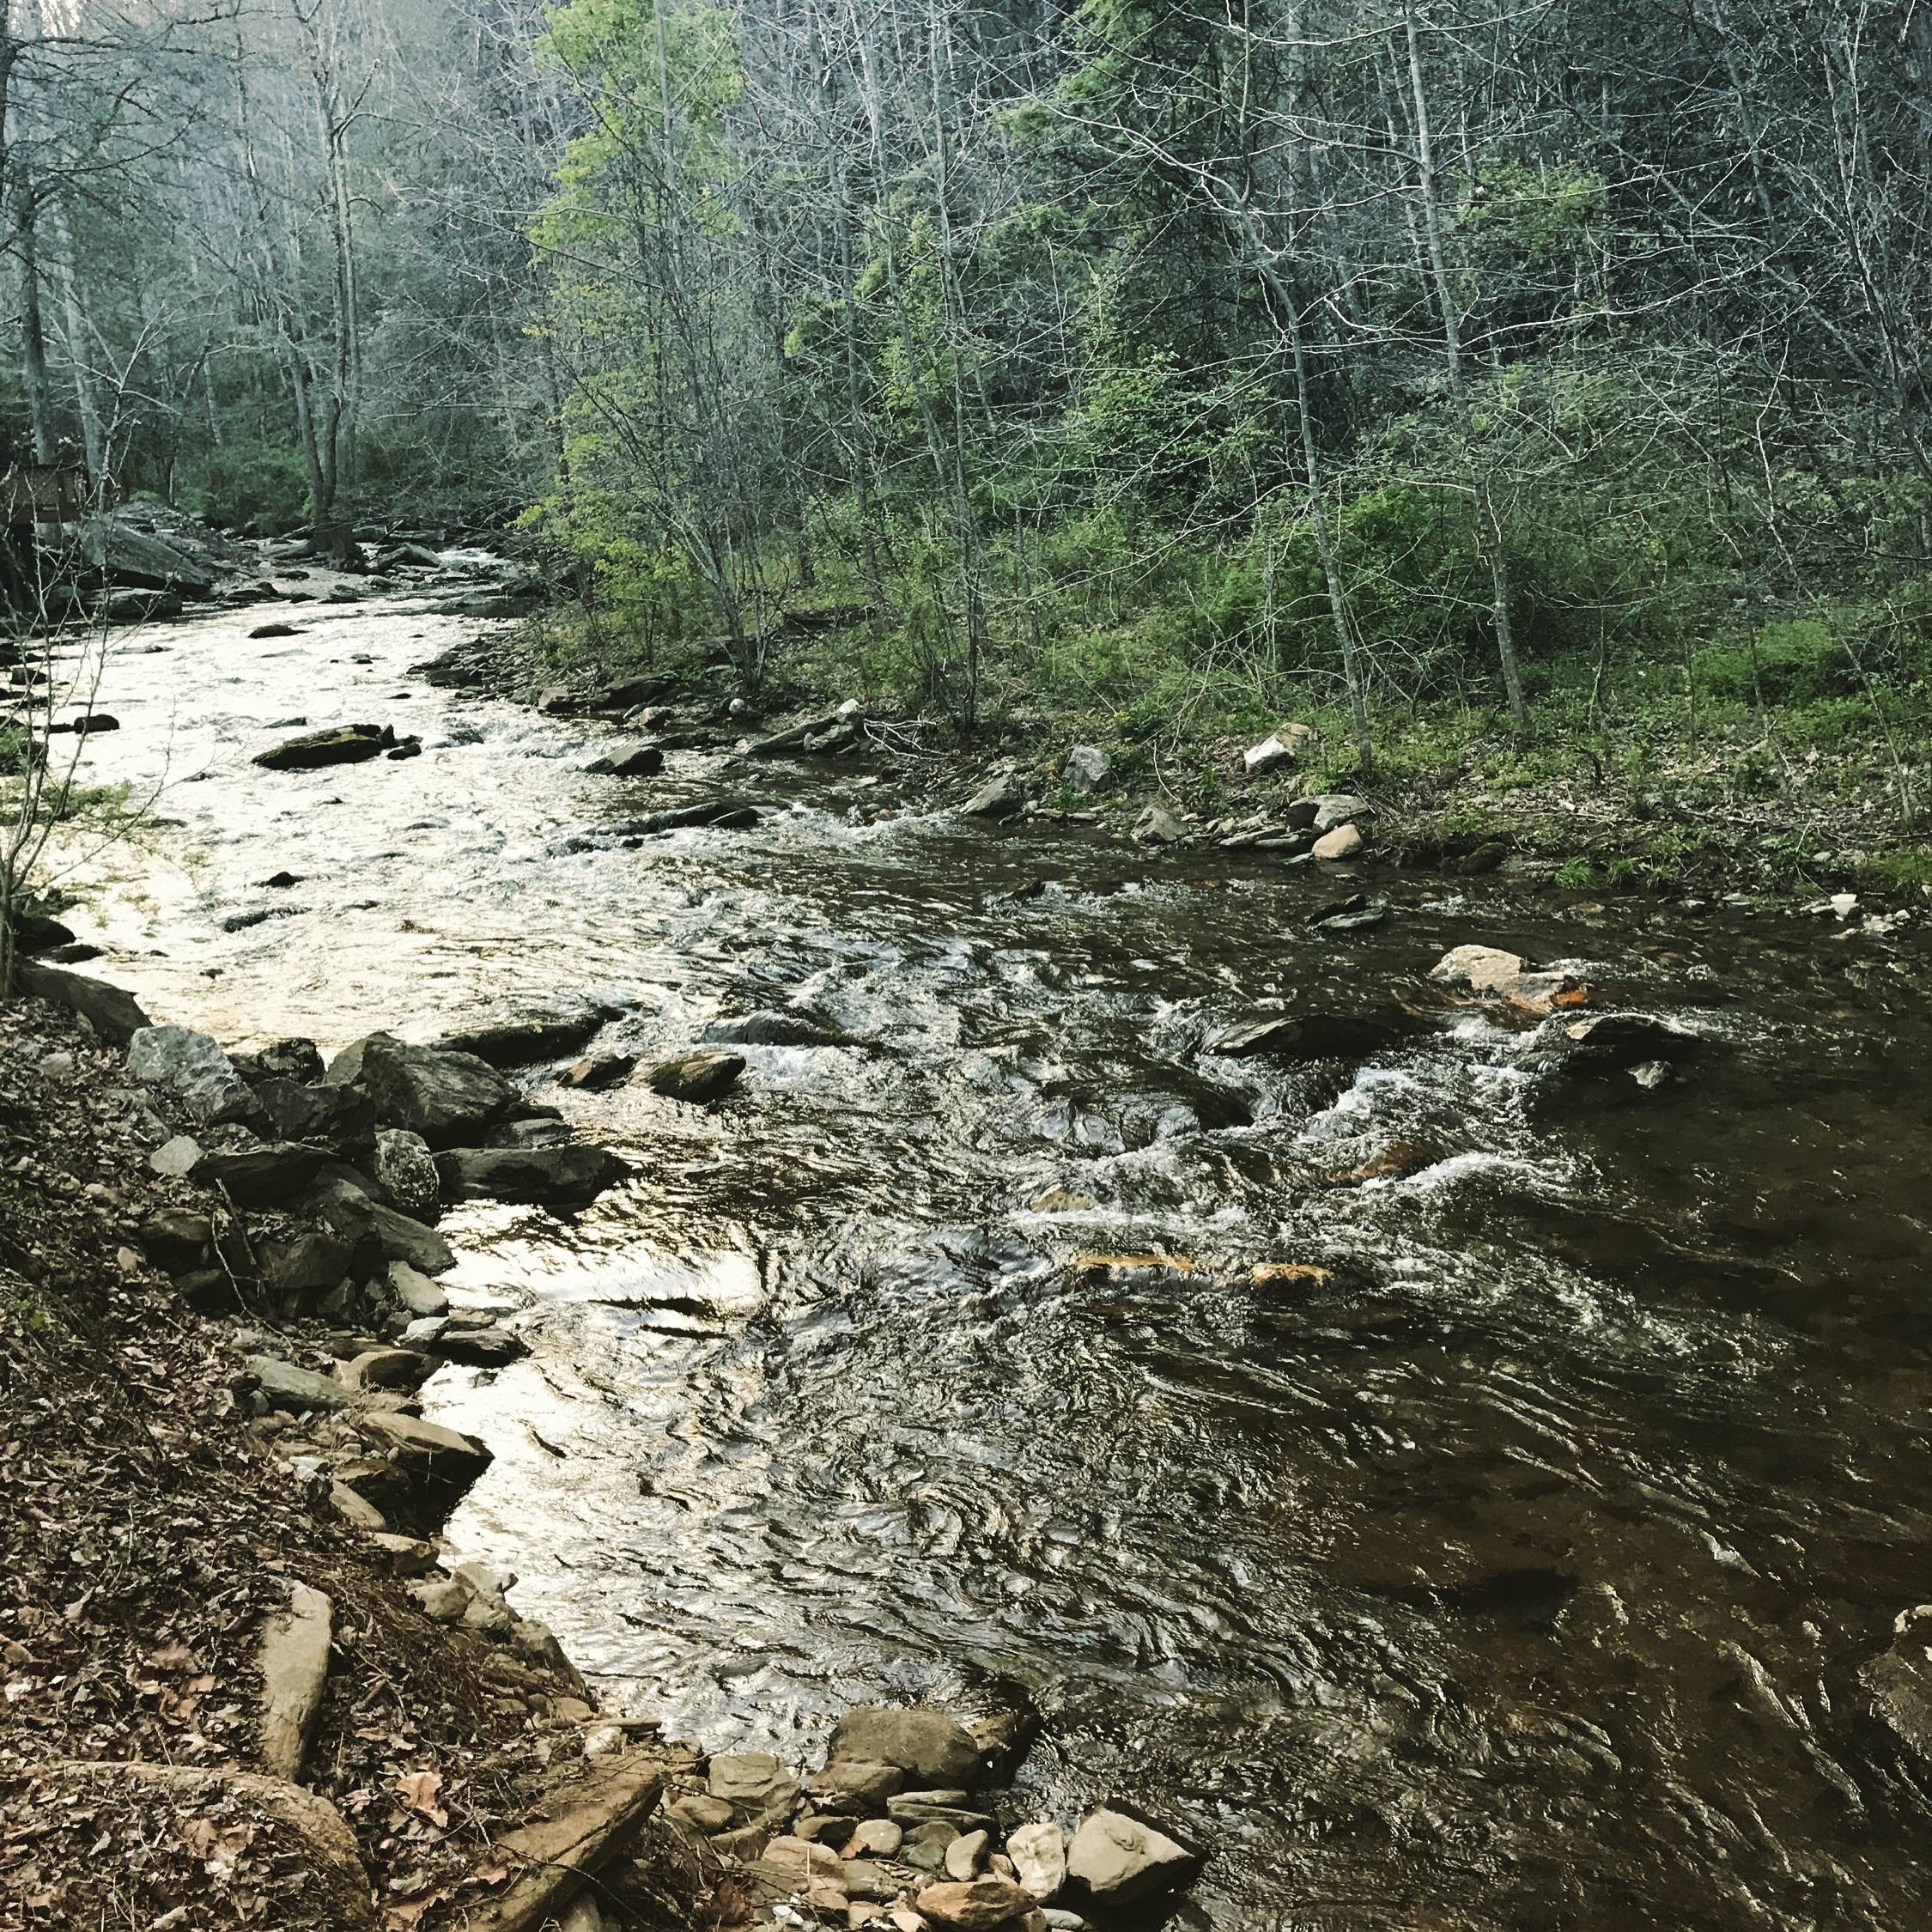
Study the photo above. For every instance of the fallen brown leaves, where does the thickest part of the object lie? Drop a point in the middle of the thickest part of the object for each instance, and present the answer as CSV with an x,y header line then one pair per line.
x,y
148,1528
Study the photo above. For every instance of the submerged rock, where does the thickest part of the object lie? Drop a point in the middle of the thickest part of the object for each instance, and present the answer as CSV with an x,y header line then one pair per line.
x,y
567,1176
528,1038
1308,1036
340,745
645,760
480,1348
699,1077
769,1028
541,1132
1613,1042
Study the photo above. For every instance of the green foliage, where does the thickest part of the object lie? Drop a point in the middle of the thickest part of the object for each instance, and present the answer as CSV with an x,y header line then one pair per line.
x,y
248,480
1796,661
1543,214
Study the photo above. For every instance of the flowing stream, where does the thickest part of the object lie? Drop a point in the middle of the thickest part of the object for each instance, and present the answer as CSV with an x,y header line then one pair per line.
x,y
1517,1572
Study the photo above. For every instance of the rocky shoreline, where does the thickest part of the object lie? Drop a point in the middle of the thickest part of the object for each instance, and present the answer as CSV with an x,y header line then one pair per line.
x,y
283,1212
1576,840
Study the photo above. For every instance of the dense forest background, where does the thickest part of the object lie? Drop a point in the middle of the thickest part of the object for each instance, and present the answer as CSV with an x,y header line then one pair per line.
x,y
1559,365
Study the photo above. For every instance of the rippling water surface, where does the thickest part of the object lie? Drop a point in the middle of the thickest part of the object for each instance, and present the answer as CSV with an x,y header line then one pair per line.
x,y
1516,1573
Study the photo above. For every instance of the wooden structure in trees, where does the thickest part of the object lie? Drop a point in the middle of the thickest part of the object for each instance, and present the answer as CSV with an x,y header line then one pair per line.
x,y
37,493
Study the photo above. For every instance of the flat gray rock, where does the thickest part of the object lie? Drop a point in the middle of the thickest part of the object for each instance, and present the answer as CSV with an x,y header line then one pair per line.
x,y
294,1660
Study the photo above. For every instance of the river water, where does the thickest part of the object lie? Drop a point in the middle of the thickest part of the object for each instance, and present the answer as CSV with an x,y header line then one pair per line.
x,y
1517,1573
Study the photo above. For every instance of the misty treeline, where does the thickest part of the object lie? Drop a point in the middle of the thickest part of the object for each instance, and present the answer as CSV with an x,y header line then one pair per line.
x,y
1190,360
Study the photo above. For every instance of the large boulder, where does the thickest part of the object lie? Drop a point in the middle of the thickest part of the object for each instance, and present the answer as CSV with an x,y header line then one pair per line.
x,y
34,932
1117,1859
347,1203
567,1176
1490,972
1156,826
115,1016
341,1119
138,607
1086,769
287,1387
131,559
260,1175
1304,1036
340,745
191,1068
528,1038
930,1747
1000,797
446,1097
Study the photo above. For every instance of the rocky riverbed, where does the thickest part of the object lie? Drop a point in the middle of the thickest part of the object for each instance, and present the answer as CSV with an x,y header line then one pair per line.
x,y
1421,1430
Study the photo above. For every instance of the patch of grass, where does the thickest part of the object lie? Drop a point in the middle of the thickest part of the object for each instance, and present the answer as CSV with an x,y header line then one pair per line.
x,y
1905,869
